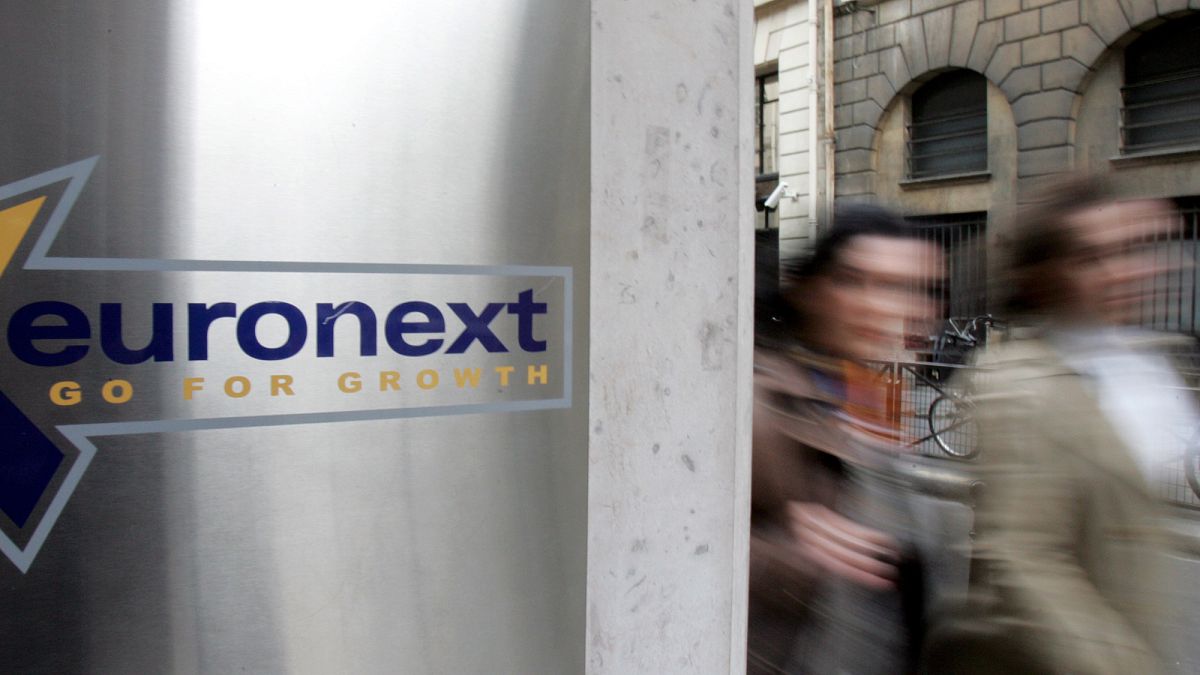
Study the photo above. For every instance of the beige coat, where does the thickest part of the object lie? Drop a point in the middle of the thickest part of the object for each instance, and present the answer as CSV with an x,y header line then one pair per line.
x,y
1067,561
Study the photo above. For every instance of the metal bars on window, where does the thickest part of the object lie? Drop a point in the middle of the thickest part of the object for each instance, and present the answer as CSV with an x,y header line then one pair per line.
x,y
1161,113
1160,102
962,238
947,134
1170,302
1171,297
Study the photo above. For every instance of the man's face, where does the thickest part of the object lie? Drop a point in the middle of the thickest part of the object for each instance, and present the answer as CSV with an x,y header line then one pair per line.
x,y
875,290
1112,273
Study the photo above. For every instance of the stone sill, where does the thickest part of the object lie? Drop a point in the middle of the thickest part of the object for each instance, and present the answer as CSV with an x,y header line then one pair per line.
x,y
1177,154
949,179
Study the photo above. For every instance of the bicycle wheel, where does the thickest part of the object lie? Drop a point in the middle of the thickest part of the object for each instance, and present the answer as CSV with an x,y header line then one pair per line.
x,y
952,428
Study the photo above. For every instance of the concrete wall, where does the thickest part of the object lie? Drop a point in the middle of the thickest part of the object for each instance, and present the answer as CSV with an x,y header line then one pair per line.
x,y
670,368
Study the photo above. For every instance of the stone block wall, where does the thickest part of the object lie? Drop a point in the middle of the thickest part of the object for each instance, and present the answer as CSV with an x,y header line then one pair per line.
x,y
1040,53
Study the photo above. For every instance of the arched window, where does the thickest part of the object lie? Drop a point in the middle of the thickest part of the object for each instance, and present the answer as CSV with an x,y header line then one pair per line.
x,y
948,133
1161,96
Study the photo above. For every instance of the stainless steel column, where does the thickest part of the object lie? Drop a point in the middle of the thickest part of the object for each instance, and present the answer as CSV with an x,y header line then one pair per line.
x,y
275,151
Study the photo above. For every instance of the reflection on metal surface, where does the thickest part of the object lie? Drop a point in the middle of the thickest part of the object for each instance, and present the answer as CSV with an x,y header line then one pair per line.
x,y
308,167
415,329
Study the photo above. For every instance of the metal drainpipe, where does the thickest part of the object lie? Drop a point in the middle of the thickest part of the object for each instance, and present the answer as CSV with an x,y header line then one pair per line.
x,y
829,133
816,215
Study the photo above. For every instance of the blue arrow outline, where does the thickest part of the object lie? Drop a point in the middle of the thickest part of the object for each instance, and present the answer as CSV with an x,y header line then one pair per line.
x,y
79,434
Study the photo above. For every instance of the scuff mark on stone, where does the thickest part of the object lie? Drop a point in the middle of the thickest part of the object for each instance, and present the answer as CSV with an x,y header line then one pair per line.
x,y
602,640
639,583
657,139
688,462
652,227
718,173
656,184
712,346
725,35
701,549
627,296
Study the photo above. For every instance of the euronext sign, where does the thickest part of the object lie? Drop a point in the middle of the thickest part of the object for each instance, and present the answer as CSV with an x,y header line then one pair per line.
x,y
116,346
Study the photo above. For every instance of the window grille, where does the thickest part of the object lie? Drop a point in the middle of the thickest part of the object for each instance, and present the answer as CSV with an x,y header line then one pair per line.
x,y
1171,299
948,130
1161,96
1171,302
962,238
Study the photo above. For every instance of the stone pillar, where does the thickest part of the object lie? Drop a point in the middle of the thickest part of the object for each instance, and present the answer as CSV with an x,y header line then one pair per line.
x,y
671,291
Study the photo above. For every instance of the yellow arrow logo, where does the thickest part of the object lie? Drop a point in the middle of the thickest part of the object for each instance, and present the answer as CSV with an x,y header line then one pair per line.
x,y
14,223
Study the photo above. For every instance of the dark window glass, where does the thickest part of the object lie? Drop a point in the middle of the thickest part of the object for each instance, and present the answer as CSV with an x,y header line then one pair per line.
x,y
1161,96
766,129
948,134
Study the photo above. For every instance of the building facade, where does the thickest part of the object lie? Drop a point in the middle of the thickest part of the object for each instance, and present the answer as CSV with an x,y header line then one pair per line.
x,y
953,111
787,137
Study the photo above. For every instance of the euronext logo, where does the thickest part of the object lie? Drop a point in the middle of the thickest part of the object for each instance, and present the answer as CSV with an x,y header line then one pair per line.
x,y
98,347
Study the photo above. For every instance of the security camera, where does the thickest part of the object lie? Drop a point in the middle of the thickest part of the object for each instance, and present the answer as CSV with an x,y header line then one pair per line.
x,y
772,200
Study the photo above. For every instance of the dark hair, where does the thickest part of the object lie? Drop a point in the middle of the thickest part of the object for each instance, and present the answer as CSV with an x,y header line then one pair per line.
x,y
850,221
776,316
1041,238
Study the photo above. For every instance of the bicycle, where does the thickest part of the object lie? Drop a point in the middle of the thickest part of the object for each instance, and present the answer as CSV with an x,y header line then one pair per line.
x,y
949,415
952,412
958,339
